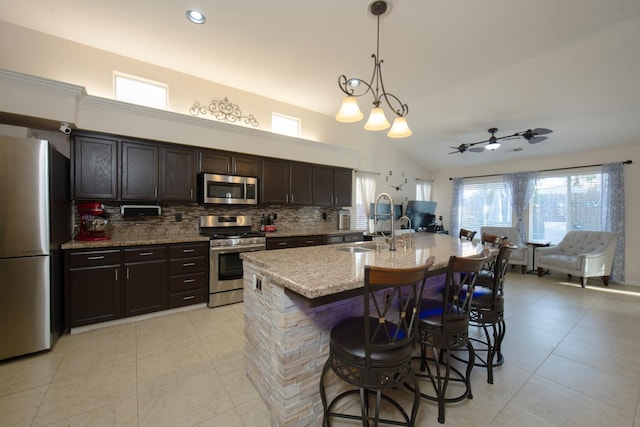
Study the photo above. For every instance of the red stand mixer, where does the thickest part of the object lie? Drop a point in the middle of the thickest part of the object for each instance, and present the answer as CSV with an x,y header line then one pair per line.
x,y
93,222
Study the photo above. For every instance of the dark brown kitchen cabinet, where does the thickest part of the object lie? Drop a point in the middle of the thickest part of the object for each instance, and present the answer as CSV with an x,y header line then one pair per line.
x,y
302,241
331,186
92,287
188,273
221,162
281,243
177,174
211,161
287,183
246,166
275,182
139,171
108,284
342,185
94,168
146,280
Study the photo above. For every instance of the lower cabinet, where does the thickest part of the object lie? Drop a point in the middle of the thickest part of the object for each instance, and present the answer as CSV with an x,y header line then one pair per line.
x,y
300,241
108,284
145,284
93,283
188,274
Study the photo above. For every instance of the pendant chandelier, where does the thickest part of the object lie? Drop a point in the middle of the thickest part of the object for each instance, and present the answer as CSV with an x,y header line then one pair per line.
x,y
355,87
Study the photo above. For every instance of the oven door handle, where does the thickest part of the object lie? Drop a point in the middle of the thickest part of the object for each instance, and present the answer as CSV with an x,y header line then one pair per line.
x,y
252,248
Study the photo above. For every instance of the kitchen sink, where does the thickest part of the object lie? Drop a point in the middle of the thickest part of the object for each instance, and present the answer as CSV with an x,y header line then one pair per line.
x,y
354,249
367,247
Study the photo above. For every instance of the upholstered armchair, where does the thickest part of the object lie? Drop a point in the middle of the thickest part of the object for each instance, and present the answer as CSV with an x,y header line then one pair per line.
x,y
582,253
519,254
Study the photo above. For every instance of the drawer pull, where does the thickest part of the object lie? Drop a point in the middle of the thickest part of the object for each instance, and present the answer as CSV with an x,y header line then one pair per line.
x,y
96,257
309,241
146,253
188,264
188,280
282,244
188,298
188,251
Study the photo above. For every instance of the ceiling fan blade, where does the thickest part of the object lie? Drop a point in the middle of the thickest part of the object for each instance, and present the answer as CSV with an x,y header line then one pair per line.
x,y
476,149
541,131
510,137
537,139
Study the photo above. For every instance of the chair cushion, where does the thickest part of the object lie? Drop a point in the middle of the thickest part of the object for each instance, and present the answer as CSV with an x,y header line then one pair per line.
x,y
561,260
347,341
431,319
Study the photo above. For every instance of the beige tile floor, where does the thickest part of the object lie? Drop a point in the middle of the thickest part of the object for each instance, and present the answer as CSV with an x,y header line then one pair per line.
x,y
572,359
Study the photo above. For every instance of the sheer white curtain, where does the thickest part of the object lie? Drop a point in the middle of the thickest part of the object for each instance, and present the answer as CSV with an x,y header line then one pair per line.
x,y
423,190
519,187
365,194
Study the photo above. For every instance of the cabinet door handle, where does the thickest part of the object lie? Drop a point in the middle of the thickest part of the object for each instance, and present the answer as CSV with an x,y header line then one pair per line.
x,y
187,251
96,257
116,270
189,297
188,264
127,273
146,253
188,280
155,192
191,193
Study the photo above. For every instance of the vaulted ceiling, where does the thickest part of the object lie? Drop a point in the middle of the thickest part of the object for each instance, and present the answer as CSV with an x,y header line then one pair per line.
x,y
462,66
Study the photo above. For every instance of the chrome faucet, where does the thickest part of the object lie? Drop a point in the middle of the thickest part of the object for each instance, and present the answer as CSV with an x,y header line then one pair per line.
x,y
408,220
392,243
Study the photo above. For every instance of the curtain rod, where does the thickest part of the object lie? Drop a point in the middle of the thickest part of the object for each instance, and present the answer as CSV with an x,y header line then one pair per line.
x,y
377,173
626,162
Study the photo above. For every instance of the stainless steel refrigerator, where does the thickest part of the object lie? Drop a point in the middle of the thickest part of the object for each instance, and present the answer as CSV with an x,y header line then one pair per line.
x,y
35,218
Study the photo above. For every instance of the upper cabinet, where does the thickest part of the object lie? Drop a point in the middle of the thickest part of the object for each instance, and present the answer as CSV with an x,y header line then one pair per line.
x,y
331,186
107,168
139,171
224,163
177,174
286,183
95,168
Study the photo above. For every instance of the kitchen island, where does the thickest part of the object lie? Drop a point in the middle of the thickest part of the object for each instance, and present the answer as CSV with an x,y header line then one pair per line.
x,y
292,299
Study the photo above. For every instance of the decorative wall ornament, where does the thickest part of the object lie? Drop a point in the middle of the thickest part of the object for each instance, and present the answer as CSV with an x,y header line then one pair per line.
x,y
397,187
223,110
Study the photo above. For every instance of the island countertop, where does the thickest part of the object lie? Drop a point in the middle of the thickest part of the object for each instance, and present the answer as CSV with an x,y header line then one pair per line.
x,y
319,271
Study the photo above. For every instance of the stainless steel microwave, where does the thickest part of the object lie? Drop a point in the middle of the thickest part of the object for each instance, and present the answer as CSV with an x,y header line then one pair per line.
x,y
227,189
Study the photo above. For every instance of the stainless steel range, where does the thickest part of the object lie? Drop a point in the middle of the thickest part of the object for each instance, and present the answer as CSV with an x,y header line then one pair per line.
x,y
229,236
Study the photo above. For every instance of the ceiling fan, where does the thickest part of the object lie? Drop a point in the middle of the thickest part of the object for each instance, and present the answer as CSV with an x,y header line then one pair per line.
x,y
532,136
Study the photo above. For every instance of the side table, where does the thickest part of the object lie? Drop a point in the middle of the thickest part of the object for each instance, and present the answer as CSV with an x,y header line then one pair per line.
x,y
533,246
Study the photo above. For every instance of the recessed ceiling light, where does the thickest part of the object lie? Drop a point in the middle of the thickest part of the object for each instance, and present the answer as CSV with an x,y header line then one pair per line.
x,y
196,17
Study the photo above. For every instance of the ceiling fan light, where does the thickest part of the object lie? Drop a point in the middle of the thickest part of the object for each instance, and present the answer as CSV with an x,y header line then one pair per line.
x,y
400,128
492,146
349,111
377,120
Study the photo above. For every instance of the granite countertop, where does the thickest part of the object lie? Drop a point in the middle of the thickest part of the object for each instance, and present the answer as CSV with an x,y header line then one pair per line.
x,y
135,241
319,271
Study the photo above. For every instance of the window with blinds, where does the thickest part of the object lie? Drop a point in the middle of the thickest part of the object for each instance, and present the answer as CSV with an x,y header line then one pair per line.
x,y
565,202
485,203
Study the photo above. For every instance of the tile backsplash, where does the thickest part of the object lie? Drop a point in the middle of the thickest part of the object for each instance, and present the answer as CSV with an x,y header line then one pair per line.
x,y
183,218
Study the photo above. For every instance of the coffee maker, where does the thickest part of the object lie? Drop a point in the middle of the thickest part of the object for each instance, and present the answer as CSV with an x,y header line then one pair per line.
x,y
93,222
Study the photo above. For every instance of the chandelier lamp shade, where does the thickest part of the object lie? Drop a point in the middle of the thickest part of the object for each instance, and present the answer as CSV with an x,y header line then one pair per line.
x,y
355,87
